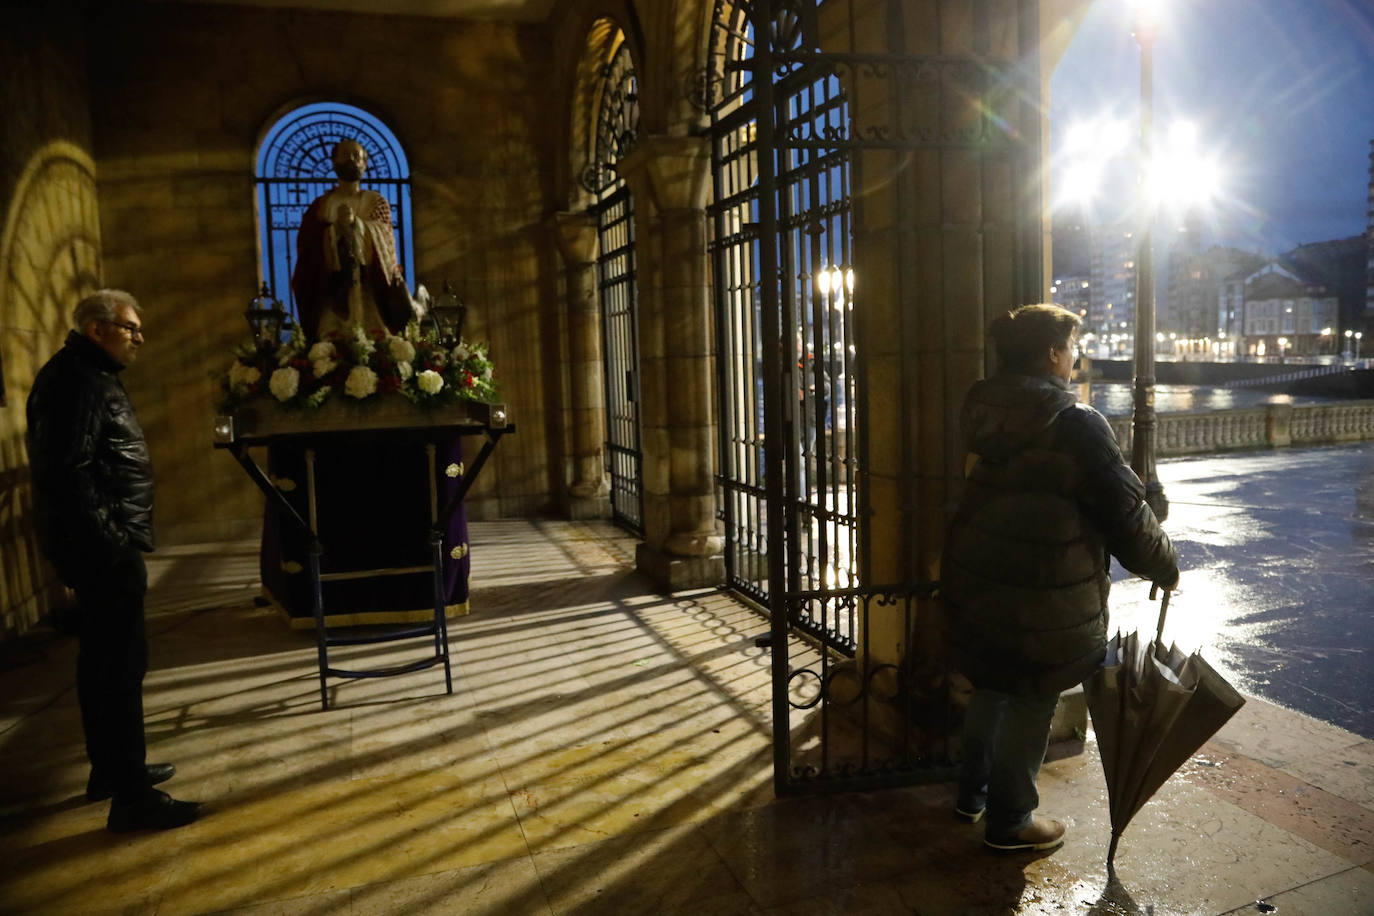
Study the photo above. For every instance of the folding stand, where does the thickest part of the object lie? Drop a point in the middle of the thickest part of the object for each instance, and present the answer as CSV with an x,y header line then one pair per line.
x,y
247,429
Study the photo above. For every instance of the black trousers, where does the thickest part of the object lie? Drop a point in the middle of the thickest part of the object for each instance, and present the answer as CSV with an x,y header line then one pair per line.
x,y
110,666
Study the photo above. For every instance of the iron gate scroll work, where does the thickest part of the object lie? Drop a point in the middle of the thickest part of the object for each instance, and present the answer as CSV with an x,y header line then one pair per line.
x,y
617,127
786,156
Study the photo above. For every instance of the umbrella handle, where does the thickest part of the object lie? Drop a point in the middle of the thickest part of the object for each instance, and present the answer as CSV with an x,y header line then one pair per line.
x,y
1163,610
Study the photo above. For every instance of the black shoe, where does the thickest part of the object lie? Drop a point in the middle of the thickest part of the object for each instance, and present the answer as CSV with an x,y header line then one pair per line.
x,y
154,811
98,788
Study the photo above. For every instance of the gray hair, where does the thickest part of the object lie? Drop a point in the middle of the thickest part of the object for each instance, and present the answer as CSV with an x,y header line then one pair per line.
x,y
102,305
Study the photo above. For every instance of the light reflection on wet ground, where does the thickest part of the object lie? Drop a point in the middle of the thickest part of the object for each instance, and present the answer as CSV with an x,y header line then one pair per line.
x,y
1277,556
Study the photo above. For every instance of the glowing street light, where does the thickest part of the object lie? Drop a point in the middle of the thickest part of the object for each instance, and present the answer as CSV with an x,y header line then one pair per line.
x,y
1143,417
1283,347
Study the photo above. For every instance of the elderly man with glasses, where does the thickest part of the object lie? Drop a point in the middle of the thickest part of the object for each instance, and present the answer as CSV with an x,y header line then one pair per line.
x,y
93,511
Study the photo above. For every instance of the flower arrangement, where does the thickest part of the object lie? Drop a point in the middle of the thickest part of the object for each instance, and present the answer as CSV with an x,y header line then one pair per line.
x,y
357,365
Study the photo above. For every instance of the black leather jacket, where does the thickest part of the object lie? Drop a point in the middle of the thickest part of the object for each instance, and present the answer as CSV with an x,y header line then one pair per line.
x,y
1025,568
92,478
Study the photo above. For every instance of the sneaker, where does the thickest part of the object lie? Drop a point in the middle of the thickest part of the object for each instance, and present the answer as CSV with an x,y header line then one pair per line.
x,y
968,814
98,788
1043,833
154,811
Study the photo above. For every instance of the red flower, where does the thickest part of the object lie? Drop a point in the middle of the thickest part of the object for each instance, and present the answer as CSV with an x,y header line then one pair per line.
x,y
468,380
388,384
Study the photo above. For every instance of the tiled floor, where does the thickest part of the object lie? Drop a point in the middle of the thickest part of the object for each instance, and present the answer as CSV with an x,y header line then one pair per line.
x,y
605,750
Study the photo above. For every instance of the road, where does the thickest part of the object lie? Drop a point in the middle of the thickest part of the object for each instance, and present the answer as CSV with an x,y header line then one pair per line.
x,y
1276,550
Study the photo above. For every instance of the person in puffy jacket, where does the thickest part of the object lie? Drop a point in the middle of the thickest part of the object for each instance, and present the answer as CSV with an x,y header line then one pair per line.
x,y
1048,500
93,514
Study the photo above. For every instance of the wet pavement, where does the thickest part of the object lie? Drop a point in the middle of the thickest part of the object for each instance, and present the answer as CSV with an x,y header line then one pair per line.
x,y
1276,550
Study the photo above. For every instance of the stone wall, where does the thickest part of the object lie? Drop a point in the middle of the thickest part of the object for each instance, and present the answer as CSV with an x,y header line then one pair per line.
x,y
184,96
49,258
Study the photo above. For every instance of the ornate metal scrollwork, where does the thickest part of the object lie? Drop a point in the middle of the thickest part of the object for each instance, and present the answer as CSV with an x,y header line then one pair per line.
x,y
617,122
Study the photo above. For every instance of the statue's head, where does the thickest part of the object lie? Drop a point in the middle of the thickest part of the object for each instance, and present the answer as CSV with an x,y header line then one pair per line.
x,y
350,160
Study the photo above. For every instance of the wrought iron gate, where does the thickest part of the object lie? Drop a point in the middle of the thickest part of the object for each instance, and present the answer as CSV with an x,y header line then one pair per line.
x,y
793,389
615,270
617,126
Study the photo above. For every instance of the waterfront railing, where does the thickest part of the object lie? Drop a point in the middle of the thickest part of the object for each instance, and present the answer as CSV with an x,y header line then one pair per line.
x,y
1271,426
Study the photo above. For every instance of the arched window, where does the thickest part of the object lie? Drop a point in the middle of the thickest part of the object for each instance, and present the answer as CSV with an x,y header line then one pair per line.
x,y
616,120
294,168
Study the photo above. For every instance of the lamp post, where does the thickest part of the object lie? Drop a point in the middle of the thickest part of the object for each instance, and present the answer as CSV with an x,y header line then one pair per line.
x,y
1358,335
1349,335
1143,419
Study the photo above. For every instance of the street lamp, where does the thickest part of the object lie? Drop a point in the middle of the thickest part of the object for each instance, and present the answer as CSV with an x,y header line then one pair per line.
x,y
1326,333
1358,335
1349,334
1143,420
1283,347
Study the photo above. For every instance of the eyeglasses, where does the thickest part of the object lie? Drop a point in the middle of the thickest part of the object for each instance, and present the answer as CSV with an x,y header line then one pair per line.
x,y
133,329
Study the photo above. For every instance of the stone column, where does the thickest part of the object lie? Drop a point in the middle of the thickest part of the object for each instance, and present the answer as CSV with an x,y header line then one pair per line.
x,y
670,178
587,495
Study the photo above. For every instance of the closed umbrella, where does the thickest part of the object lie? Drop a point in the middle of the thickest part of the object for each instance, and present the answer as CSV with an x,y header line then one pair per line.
x,y
1152,708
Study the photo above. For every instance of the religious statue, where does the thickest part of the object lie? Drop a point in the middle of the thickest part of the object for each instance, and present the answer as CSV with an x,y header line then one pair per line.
x,y
346,272
346,275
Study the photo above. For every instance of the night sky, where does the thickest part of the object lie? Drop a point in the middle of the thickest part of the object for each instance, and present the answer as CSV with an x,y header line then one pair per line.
x,y
1281,92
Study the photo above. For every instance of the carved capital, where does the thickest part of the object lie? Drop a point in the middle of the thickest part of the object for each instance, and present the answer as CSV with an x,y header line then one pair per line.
x,y
674,173
575,235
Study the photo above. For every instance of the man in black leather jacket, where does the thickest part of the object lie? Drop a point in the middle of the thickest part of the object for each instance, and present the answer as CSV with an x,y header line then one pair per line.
x,y
1046,504
93,512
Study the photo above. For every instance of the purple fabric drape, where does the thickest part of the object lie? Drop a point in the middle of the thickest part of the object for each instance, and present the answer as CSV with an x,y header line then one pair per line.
x,y
373,512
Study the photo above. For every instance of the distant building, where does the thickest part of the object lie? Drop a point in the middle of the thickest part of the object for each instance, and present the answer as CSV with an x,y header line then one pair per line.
x,y
1072,292
1174,311
1203,308
1341,266
1111,306
1284,315
1072,241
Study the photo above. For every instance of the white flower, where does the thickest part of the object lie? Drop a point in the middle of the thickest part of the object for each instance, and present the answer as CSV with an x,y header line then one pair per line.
x,y
401,350
429,381
241,376
461,352
284,383
361,382
405,370
285,353
362,343
323,367
486,373
323,350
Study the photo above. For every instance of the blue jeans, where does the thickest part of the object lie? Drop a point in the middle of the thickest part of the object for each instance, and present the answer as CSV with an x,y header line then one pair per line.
x,y
1005,737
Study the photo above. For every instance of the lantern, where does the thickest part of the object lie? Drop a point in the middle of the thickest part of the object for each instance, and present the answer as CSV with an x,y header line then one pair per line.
x,y
265,319
448,312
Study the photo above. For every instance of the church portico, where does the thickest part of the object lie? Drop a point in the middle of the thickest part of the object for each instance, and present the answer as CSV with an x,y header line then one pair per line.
x,y
593,180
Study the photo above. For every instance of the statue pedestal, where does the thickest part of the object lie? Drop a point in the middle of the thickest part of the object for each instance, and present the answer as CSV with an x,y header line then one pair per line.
x,y
381,486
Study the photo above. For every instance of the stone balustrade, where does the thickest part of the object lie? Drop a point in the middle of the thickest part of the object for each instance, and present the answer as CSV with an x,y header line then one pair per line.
x,y
1258,427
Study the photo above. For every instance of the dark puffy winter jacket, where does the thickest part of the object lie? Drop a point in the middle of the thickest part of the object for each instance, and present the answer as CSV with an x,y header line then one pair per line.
x,y
1047,503
92,479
